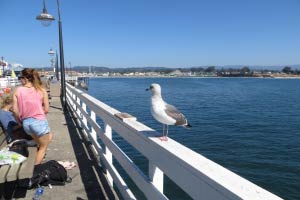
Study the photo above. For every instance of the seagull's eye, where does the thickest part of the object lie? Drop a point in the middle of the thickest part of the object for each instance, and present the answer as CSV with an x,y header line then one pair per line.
x,y
151,87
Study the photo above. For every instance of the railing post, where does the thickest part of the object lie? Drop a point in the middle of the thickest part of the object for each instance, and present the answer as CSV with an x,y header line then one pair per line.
x,y
66,99
93,135
93,132
74,104
156,176
84,124
79,113
108,154
83,117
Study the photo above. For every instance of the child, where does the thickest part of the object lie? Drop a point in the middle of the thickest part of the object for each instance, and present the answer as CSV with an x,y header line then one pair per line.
x,y
11,128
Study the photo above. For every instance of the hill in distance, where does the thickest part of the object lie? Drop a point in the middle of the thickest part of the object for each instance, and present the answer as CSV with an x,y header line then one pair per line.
x,y
101,69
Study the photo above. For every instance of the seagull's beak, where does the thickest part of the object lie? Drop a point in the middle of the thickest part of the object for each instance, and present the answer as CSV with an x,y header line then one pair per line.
x,y
150,88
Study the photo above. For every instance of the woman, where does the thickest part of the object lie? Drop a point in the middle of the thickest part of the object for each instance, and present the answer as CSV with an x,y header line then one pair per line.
x,y
30,106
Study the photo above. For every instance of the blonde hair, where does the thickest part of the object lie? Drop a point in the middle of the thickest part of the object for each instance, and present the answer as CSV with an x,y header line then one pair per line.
x,y
6,101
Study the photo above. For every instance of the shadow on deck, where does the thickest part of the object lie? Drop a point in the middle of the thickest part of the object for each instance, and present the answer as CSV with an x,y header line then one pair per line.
x,y
92,175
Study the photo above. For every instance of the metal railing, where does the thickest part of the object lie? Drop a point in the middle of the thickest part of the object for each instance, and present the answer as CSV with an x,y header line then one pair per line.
x,y
198,176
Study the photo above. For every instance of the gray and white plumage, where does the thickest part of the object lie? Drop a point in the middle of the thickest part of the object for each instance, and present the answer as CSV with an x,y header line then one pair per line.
x,y
164,112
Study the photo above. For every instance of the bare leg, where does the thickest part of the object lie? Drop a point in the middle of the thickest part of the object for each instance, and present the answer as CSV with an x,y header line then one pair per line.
x,y
163,137
163,133
166,137
43,144
50,137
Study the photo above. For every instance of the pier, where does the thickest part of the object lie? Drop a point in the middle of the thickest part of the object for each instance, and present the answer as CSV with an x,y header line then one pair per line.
x,y
88,179
79,137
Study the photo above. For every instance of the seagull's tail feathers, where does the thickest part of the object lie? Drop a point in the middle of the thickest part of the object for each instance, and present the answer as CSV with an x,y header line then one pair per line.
x,y
187,125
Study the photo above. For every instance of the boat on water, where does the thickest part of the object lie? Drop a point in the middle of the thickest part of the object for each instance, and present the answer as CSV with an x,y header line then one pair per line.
x,y
83,85
78,81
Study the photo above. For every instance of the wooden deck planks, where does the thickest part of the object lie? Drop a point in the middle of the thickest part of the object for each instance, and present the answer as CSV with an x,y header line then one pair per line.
x,y
26,169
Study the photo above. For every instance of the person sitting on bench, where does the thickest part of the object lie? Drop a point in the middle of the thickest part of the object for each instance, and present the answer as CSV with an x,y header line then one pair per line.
x,y
11,128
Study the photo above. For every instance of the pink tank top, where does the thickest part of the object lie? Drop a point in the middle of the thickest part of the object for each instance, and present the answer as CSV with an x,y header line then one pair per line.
x,y
30,103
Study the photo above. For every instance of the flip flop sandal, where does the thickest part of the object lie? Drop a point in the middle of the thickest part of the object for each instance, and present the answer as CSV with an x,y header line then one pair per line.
x,y
71,165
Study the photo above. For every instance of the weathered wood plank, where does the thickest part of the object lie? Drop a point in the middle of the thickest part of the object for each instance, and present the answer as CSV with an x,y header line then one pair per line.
x,y
5,168
19,171
12,173
3,172
2,140
26,169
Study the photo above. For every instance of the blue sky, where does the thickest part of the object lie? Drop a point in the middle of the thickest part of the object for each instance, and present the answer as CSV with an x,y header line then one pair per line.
x,y
164,33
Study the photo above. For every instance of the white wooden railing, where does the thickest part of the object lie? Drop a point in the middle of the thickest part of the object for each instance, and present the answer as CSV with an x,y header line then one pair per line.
x,y
9,82
198,176
71,78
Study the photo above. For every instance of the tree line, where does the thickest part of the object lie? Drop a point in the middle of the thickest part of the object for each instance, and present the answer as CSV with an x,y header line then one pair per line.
x,y
164,70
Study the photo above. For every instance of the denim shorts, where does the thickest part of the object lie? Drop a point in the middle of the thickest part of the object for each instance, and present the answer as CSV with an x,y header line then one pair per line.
x,y
37,127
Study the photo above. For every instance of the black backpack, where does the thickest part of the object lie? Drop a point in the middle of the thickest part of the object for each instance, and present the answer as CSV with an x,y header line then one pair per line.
x,y
47,173
19,146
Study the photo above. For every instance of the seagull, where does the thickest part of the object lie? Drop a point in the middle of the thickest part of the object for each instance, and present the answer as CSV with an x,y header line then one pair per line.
x,y
165,113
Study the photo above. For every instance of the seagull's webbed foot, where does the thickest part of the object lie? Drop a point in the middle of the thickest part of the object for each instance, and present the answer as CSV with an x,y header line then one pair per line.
x,y
163,138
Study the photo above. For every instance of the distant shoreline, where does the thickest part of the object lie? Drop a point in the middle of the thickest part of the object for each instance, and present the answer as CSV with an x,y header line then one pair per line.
x,y
277,77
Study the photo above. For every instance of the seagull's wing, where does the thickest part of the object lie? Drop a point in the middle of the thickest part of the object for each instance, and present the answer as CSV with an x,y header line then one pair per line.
x,y
175,114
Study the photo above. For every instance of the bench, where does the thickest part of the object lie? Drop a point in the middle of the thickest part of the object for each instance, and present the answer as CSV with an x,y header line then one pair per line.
x,y
16,172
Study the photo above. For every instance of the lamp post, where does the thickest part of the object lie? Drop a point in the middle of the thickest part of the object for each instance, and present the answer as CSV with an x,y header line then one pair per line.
x,y
2,63
52,53
2,66
56,66
46,20
70,69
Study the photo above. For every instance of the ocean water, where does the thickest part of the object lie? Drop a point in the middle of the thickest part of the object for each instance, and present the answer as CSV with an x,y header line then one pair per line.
x,y
249,125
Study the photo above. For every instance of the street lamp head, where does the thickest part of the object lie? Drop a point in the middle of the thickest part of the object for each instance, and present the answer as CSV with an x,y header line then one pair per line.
x,y
46,20
51,52
44,17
